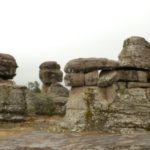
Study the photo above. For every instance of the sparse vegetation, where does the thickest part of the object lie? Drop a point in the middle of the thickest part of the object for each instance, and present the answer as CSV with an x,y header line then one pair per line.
x,y
89,96
43,105
34,87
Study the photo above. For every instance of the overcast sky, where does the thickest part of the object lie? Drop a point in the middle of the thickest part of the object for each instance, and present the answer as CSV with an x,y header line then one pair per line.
x,y
34,31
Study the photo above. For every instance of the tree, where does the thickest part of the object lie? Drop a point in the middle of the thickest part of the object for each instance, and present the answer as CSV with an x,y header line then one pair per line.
x,y
34,87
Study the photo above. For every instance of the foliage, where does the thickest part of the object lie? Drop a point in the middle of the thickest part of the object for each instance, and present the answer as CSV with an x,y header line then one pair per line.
x,y
89,96
44,105
34,87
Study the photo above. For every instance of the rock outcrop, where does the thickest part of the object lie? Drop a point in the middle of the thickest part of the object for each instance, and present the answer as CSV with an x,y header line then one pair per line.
x,y
135,53
50,74
12,97
8,66
110,95
12,102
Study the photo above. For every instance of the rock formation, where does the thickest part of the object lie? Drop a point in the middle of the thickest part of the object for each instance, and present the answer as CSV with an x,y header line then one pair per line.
x,y
12,102
110,95
8,66
50,74
12,97
135,53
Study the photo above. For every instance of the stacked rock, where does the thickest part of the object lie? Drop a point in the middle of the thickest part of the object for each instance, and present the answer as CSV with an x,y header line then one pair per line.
x,y
12,97
50,74
84,71
133,67
8,66
110,95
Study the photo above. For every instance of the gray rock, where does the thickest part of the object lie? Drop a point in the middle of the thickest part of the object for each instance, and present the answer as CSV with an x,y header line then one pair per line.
x,y
49,65
12,102
90,64
74,79
130,110
50,73
56,89
49,76
8,66
91,78
114,109
138,85
135,53
82,106
107,78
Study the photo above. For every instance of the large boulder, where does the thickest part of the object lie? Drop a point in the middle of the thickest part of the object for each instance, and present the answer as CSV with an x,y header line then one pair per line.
x,y
84,108
8,66
90,64
91,78
135,53
115,109
56,89
74,79
107,78
130,110
50,72
12,102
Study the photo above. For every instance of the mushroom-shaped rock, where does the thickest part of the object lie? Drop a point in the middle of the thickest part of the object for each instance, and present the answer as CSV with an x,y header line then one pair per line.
x,y
90,64
50,72
135,53
8,66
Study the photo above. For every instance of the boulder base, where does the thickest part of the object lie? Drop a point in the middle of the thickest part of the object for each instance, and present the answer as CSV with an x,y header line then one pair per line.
x,y
12,102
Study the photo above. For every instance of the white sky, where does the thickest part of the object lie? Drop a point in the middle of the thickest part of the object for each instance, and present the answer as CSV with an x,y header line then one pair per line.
x,y
34,31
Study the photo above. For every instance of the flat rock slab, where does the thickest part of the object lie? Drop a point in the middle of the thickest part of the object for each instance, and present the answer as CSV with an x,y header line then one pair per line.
x,y
90,64
107,78
42,140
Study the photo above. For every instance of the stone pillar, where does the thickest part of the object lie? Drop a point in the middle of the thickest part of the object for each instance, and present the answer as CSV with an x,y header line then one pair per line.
x,y
12,97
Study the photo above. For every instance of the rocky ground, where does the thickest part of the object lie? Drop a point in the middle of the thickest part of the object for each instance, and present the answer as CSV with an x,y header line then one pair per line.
x,y
35,134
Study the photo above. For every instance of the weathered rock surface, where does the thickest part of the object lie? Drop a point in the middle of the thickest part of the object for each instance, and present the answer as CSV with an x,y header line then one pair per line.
x,y
91,78
59,95
50,65
115,108
135,53
90,64
12,102
129,111
50,76
138,85
56,89
50,72
81,109
46,104
109,77
8,66
75,79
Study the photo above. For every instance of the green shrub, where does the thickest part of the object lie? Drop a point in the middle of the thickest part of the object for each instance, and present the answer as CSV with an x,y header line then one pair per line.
x,y
44,106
